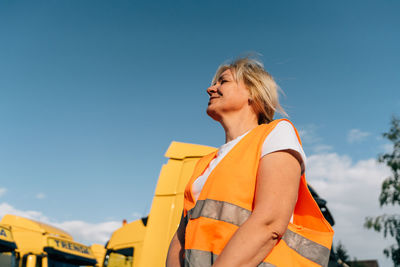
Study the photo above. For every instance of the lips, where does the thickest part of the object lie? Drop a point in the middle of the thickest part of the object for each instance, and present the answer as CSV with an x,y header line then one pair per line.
x,y
211,98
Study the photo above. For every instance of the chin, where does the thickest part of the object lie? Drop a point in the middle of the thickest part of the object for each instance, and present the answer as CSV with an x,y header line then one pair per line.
x,y
213,114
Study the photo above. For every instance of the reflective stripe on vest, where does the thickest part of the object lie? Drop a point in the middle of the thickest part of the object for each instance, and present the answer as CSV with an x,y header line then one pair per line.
x,y
200,258
219,210
230,213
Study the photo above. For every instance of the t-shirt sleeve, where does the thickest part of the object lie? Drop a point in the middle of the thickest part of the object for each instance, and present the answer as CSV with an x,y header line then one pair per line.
x,y
283,137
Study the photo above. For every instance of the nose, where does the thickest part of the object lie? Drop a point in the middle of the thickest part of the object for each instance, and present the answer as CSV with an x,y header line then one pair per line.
x,y
212,89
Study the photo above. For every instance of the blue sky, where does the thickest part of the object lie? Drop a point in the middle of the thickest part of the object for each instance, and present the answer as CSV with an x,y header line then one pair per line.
x,y
93,92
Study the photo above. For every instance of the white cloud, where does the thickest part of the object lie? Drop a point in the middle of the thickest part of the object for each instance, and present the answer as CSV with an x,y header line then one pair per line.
x,y
356,136
87,233
2,191
321,148
312,142
40,196
30,214
308,134
352,191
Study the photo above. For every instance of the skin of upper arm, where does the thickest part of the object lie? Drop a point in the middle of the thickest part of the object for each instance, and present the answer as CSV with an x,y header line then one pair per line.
x,y
177,246
277,186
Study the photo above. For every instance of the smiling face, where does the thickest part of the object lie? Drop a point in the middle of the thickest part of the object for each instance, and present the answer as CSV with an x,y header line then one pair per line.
x,y
226,96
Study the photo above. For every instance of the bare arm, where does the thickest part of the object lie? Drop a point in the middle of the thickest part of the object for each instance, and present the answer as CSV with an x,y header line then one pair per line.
x,y
177,246
277,186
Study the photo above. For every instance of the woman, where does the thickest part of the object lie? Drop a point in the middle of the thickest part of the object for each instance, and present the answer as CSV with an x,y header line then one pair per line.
x,y
248,204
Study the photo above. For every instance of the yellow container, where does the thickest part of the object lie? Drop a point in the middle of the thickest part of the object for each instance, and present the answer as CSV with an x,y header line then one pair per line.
x,y
145,242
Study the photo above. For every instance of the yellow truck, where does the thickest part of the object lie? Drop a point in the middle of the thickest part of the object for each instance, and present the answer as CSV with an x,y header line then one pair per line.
x,y
145,242
7,247
125,245
98,251
42,245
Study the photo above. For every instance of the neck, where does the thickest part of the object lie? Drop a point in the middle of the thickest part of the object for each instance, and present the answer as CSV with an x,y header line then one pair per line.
x,y
238,124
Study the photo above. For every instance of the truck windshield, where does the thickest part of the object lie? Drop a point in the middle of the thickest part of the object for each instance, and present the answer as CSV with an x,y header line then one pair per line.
x,y
119,258
7,259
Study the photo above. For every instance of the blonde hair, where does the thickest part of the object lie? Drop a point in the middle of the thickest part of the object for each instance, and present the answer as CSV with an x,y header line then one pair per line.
x,y
264,92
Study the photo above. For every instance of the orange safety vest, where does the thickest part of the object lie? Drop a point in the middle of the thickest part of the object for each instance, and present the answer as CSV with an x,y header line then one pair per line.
x,y
226,201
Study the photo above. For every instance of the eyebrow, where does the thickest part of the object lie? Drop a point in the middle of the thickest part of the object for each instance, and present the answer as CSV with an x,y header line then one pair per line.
x,y
222,77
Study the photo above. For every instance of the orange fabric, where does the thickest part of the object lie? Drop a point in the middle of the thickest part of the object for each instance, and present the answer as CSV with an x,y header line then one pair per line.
x,y
281,255
234,180
216,238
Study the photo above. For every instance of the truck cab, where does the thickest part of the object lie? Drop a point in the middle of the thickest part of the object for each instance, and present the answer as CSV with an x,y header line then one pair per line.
x,y
7,247
125,245
42,245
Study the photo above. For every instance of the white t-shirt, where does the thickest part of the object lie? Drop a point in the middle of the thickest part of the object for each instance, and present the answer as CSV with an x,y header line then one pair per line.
x,y
282,137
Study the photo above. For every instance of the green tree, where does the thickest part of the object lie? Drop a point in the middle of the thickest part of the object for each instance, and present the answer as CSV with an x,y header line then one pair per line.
x,y
342,258
341,252
389,224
